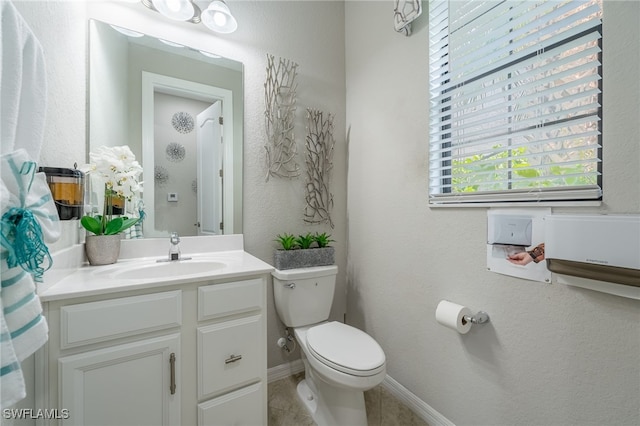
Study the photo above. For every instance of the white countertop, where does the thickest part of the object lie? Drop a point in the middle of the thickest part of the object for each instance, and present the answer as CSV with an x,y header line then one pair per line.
x,y
84,280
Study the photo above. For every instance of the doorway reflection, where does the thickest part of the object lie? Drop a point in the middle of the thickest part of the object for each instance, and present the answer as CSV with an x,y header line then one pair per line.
x,y
183,128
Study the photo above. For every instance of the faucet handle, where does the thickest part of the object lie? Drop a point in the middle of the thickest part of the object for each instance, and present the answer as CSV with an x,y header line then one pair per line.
x,y
175,239
174,250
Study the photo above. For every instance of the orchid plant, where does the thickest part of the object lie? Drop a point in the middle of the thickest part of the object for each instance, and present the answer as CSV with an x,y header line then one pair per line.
x,y
118,168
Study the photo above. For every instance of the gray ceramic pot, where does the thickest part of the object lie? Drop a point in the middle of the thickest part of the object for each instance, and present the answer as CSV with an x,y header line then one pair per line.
x,y
102,249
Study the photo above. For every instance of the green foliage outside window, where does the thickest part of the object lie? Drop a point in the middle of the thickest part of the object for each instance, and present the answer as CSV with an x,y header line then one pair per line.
x,y
488,173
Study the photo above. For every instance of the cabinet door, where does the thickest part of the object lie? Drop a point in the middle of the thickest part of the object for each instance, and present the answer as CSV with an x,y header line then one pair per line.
x,y
128,384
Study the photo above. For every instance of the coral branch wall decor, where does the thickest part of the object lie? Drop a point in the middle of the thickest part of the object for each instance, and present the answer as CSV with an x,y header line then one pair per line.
x,y
405,12
319,144
280,107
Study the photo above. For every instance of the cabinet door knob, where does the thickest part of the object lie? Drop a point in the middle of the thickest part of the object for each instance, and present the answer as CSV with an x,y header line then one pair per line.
x,y
233,358
172,366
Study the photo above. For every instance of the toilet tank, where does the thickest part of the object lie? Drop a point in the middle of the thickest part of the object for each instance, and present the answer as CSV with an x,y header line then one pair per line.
x,y
304,296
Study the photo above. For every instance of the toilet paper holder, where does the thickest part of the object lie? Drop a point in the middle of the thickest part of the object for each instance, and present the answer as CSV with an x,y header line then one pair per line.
x,y
480,318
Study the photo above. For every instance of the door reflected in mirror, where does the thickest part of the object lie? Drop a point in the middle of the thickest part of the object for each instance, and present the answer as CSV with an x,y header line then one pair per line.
x,y
181,112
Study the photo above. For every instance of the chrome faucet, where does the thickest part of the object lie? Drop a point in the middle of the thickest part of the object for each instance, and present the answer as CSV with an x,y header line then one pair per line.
x,y
174,250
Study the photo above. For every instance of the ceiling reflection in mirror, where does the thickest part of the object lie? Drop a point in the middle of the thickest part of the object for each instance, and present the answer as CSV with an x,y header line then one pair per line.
x,y
180,110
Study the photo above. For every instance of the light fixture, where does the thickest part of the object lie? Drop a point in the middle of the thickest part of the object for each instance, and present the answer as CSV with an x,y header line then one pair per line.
x,y
217,17
215,14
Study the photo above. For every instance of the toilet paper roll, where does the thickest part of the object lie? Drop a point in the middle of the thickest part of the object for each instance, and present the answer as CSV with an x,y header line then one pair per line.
x,y
452,315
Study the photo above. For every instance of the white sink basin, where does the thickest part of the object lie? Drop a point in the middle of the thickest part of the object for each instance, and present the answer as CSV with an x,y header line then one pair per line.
x,y
158,270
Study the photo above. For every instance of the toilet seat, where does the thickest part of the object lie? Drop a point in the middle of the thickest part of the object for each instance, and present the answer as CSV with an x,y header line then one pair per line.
x,y
345,349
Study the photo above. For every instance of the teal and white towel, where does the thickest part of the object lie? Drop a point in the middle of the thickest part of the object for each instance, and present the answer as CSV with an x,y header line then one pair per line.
x,y
136,231
29,220
133,233
12,387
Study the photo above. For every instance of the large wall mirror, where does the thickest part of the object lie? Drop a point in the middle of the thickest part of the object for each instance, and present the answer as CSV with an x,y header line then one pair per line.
x,y
180,110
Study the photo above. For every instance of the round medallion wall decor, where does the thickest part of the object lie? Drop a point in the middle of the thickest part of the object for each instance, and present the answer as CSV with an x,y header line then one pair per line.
x,y
175,152
183,122
161,175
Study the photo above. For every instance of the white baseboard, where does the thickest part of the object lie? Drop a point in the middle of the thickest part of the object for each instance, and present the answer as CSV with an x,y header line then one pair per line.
x,y
284,370
404,395
418,406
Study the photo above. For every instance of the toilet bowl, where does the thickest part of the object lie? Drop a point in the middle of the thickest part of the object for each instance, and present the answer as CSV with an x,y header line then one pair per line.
x,y
343,355
341,361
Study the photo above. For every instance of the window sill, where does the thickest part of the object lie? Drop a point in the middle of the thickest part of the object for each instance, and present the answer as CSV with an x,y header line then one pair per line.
x,y
521,204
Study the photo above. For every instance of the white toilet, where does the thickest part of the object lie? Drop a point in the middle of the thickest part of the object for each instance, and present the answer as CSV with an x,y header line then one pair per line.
x,y
340,361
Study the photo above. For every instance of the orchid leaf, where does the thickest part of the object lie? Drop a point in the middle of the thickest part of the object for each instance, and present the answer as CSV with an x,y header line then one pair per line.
x,y
114,226
128,223
91,224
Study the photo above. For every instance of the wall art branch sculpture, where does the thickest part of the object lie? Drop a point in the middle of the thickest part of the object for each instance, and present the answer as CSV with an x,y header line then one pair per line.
x,y
319,145
280,107
404,13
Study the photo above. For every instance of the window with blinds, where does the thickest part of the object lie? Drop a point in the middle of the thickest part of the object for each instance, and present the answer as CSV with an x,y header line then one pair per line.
x,y
515,100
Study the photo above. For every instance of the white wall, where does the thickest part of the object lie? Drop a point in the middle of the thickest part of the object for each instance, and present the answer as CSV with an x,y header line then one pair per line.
x,y
552,354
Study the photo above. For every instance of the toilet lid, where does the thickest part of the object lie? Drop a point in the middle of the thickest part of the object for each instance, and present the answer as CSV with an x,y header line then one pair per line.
x,y
346,349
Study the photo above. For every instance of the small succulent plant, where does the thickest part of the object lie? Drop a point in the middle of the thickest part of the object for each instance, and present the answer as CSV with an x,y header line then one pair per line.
x,y
305,241
322,240
287,241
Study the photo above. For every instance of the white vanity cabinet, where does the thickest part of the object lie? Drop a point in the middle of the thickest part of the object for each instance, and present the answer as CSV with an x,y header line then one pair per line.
x,y
186,354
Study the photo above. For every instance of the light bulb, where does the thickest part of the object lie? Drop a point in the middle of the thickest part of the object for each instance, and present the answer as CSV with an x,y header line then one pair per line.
x,y
180,10
173,5
220,19
217,17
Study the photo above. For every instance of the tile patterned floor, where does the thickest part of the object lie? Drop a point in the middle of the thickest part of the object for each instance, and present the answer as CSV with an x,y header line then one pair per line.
x,y
383,409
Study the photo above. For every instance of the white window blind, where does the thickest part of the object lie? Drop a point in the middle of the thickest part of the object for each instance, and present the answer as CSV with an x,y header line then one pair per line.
x,y
515,111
